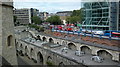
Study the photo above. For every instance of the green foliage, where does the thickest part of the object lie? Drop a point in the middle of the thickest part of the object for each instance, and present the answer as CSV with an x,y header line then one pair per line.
x,y
36,20
16,23
77,16
15,18
33,26
49,63
54,20
73,19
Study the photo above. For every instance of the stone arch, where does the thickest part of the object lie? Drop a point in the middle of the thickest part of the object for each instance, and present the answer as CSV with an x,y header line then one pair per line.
x,y
72,46
61,63
49,58
9,40
38,37
86,49
57,42
21,50
21,46
44,39
26,50
32,53
40,58
17,46
51,40
104,54
15,42
63,43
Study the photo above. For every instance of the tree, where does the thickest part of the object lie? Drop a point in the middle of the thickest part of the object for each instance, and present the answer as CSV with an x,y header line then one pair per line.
x,y
73,19
54,20
76,16
15,21
15,18
36,20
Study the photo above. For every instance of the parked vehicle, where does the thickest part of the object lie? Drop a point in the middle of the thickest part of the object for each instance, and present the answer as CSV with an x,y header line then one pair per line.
x,y
97,59
116,34
99,32
112,33
79,53
64,49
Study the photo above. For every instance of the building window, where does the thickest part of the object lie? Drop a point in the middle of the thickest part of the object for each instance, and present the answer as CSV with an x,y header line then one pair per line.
x,y
9,40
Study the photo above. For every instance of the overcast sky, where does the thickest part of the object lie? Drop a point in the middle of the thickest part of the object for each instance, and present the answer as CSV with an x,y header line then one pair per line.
x,y
51,6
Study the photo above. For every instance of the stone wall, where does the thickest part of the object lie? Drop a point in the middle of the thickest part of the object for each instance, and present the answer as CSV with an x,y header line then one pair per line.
x,y
7,45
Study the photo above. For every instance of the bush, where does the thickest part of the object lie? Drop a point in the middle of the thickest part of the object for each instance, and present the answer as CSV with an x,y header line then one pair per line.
x,y
49,63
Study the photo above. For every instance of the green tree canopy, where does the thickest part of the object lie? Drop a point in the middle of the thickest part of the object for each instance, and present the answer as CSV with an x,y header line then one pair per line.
x,y
54,20
15,18
36,20
76,16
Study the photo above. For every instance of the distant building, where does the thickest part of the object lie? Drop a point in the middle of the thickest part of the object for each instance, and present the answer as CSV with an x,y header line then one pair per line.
x,y
24,15
63,15
101,15
51,14
43,15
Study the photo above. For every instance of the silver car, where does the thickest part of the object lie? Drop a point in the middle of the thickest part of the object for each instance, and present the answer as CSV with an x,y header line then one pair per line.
x,y
97,59
64,49
79,53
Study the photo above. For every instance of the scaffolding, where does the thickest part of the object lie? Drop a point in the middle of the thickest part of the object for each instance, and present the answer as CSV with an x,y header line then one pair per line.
x,y
100,15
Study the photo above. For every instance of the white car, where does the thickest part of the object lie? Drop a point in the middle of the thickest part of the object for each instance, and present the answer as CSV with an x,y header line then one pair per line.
x,y
64,49
97,59
99,32
79,53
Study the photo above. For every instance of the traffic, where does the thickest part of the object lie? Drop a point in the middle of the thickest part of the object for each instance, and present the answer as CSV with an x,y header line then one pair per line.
x,y
71,29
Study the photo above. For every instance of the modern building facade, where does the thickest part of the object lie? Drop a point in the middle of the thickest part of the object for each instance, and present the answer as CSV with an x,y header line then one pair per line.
x,y
24,15
101,15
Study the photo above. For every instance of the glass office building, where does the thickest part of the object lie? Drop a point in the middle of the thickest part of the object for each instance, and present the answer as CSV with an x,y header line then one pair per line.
x,y
101,15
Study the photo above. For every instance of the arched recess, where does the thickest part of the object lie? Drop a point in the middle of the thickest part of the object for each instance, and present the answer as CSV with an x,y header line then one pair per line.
x,y
38,37
86,49
72,46
17,46
49,58
32,53
63,43
15,42
44,39
61,63
9,40
26,51
104,54
51,40
40,58
21,46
